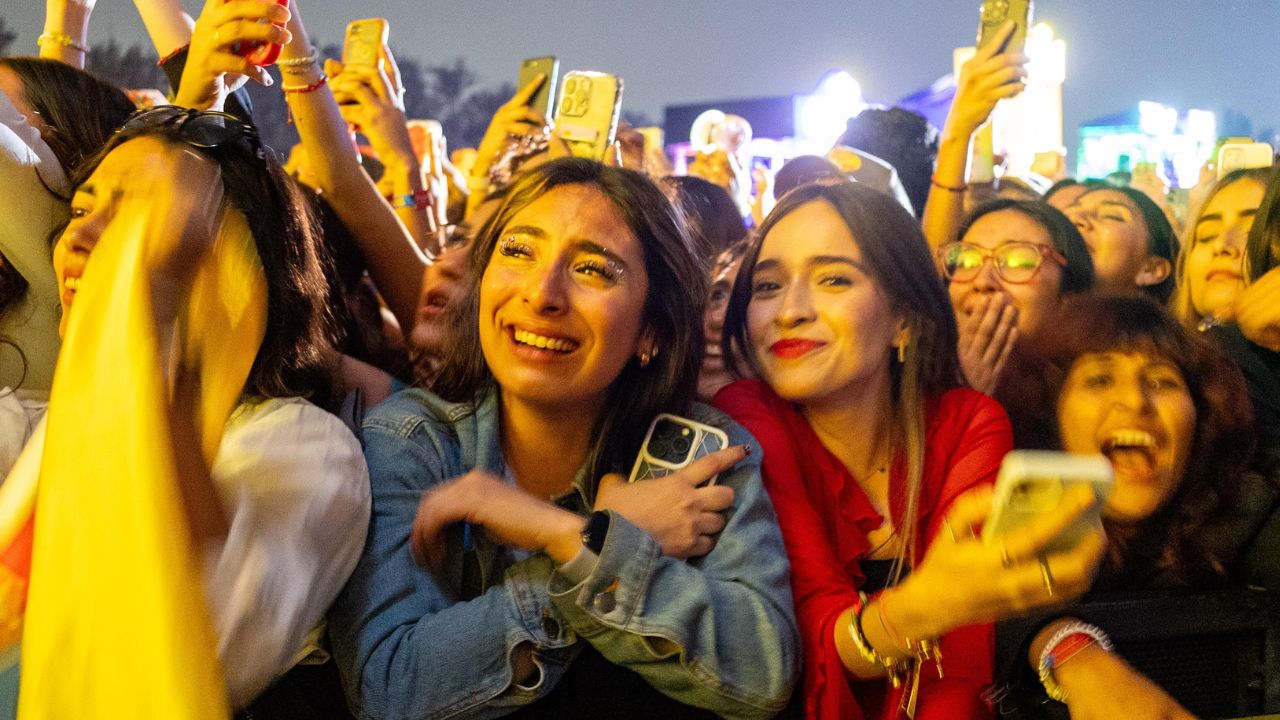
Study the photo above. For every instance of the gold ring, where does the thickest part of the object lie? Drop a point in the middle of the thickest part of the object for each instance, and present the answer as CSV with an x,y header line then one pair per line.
x,y
1045,575
1005,560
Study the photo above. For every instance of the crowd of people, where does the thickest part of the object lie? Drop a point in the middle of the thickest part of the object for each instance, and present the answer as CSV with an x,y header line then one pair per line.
x,y
391,411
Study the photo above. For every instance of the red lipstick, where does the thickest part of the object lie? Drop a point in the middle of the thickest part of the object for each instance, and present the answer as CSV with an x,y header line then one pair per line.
x,y
792,348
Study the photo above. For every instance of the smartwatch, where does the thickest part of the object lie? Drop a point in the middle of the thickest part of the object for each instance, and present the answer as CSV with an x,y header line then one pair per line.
x,y
594,531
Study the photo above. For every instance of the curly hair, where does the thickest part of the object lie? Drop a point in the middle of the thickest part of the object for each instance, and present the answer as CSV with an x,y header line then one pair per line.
x,y
902,138
1177,543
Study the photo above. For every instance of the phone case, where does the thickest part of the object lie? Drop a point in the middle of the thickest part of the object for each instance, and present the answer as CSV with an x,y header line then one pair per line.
x,y
1234,156
1032,482
994,13
587,114
544,100
672,443
364,42
260,53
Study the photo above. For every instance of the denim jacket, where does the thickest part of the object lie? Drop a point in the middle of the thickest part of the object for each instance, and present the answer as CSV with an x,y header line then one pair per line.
x,y
413,645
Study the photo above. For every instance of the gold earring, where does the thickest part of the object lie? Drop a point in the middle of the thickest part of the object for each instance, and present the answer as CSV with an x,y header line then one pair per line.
x,y
902,352
645,357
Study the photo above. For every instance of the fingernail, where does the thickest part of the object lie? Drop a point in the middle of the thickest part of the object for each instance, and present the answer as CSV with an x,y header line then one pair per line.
x,y
746,450
268,80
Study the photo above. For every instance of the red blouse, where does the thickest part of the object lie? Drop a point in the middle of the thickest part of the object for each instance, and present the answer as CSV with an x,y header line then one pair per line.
x,y
825,518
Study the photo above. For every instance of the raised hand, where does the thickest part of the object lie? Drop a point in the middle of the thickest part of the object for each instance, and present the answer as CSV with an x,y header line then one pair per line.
x,y
988,77
213,71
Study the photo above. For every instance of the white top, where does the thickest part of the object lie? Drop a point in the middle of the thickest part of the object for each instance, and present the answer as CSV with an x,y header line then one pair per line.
x,y
28,213
295,487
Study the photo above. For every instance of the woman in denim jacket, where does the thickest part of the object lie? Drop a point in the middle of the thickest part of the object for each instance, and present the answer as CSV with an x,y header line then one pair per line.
x,y
506,570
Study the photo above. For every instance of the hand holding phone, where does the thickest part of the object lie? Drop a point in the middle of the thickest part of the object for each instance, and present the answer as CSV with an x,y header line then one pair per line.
x,y
1033,484
260,52
543,100
995,13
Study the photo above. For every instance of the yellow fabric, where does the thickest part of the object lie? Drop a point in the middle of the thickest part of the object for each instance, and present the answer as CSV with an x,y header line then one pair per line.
x,y
116,625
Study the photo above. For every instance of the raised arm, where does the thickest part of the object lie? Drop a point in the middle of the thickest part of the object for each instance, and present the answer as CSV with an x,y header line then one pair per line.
x,y
66,31
988,77
394,260
167,23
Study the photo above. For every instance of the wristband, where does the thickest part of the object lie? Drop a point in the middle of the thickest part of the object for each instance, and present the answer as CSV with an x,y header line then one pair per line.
x,y
306,88
172,55
1063,645
865,651
62,39
594,532
420,199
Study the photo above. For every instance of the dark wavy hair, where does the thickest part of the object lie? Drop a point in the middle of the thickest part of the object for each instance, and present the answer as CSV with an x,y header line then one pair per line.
x,y
896,255
294,359
1162,241
81,109
673,308
1178,544
902,138
1263,249
710,213
1078,275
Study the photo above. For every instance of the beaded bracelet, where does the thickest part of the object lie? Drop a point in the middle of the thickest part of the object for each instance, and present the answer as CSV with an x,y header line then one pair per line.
x,y
297,62
306,88
1063,645
62,39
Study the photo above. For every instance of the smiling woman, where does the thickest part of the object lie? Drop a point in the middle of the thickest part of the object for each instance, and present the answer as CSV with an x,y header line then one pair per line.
x,y
509,569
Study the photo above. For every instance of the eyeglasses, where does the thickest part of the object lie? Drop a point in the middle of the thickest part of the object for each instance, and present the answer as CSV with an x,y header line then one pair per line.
x,y
203,129
1015,262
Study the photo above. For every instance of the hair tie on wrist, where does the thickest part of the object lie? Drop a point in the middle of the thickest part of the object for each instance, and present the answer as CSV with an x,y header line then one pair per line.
x,y
306,88
933,180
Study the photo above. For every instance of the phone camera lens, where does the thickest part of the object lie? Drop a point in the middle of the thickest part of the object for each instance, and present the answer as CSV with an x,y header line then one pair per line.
x,y
681,447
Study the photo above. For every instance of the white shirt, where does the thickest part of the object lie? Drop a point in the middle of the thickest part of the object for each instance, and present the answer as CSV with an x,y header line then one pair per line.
x,y
293,482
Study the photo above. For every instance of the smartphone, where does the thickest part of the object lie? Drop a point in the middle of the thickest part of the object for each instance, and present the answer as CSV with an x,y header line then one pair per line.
x,y
544,100
1237,155
587,112
672,443
995,13
1032,482
364,42
257,52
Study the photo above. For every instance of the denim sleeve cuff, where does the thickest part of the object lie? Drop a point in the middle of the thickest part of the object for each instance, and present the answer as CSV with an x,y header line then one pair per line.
x,y
580,567
615,588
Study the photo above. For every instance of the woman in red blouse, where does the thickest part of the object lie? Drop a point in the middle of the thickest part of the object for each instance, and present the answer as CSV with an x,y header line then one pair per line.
x,y
879,463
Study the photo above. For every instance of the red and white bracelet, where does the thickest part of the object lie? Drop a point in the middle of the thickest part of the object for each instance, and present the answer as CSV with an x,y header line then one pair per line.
x,y
1063,645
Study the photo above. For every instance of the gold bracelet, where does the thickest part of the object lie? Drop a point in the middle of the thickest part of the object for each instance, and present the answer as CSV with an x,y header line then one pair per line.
x,y
892,666
62,39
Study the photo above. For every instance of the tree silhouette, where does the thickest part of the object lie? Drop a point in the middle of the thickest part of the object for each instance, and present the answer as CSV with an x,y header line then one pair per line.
x,y
7,36
130,67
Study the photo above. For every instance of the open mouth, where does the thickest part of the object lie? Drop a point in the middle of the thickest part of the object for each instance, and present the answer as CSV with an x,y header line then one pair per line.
x,y
543,342
1132,453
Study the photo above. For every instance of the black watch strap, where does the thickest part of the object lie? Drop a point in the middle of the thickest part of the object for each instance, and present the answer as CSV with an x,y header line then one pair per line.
x,y
593,533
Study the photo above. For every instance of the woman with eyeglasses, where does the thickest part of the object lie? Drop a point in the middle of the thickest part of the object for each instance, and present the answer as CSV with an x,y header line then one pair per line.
x,y
879,462
1014,262
274,488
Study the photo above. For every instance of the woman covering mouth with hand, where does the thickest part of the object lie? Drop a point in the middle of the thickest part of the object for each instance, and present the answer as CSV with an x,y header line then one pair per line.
x,y
878,461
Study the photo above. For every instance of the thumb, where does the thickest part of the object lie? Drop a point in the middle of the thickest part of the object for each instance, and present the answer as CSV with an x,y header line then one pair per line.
x,y
970,509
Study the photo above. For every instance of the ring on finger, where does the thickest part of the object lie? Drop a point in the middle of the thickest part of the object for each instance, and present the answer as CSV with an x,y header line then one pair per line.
x,y
1045,575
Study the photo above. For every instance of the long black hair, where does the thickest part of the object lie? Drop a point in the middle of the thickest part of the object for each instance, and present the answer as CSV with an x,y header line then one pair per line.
x,y
295,357
673,308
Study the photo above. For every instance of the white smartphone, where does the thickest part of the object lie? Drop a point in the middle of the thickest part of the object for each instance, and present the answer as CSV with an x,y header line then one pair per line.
x,y
1031,483
1244,156
672,443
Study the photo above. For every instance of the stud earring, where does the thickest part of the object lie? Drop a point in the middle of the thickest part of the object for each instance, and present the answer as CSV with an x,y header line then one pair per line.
x,y
645,357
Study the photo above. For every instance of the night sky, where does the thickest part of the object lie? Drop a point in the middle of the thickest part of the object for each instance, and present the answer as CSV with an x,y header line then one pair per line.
x,y
1212,54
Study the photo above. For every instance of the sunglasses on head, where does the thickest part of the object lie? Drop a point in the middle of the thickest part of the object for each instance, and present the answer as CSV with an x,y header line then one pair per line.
x,y
1015,262
203,129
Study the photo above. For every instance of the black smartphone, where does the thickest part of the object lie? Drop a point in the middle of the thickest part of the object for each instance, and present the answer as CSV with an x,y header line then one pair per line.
x,y
544,100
